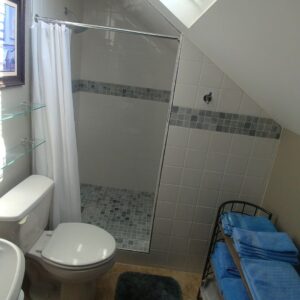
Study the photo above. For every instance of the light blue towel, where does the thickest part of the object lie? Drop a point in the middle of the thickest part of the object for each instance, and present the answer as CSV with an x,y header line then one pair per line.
x,y
217,274
223,263
233,289
277,242
245,253
265,245
271,280
231,220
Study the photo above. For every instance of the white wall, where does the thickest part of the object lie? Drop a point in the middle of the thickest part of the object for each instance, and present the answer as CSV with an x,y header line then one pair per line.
x,y
124,58
203,168
13,131
282,196
120,139
257,44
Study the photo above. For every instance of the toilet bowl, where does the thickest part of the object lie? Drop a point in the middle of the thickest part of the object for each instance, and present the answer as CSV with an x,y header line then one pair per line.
x,y
74,254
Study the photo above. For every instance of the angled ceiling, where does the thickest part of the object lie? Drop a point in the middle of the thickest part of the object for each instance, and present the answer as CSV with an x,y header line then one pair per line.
x,y
257,43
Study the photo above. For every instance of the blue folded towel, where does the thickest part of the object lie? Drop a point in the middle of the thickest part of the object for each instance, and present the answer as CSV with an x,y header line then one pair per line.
x,y
292,260
265,245
267,241
233,289
231,220
223,263
264,255
271,280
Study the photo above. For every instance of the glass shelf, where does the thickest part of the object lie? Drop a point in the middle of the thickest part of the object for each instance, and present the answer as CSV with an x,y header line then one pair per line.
x,y
21,109
24,148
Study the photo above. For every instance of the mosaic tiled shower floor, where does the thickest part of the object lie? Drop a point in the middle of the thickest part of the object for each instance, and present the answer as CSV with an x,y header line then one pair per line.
x,y
123,213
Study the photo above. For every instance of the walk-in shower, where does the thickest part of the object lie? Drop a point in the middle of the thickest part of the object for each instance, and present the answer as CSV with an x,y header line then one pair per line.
x,y
122,88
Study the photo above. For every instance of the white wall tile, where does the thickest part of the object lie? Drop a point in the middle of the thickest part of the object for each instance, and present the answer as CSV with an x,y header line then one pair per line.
x,y
171,175
190,51
184,212
174,156
232,183
162,226
178,136
160,242
181,229
188,195
199,139
191,177
211,180
178,245
168,193
228,83
220,142
242,145
216,162
237,165
230,101
165,210
195,159
185,95
134,153
197,247
204,215
208,198
211,75
200,231
189,72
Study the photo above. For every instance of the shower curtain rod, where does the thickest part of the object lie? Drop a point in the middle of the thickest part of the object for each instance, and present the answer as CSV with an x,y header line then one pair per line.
x,y
106,28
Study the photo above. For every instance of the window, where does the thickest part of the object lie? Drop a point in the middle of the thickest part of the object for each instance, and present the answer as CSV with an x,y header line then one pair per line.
x,y
187,11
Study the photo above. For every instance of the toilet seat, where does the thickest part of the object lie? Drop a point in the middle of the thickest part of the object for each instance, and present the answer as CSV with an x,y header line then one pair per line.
x,y
75,246
73,268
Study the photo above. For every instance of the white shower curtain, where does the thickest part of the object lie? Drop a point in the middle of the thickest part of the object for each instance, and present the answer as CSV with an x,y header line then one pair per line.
x,y
52,86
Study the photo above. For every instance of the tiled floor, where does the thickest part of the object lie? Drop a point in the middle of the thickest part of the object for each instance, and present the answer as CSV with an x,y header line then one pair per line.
x,y
189,282
125,214
106,285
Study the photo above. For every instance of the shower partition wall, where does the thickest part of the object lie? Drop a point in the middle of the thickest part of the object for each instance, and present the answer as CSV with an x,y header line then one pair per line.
x,y
122,98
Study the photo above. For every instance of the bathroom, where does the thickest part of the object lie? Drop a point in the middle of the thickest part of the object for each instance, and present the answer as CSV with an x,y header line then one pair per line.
x,y
174,108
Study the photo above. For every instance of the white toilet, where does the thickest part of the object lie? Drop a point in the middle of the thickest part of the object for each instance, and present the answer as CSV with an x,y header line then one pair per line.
x,y
75,254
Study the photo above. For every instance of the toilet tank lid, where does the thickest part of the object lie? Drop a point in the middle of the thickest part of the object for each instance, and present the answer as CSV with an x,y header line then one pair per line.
x,y
20,200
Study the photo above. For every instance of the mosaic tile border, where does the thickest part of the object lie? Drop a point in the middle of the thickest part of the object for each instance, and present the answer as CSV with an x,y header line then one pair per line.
x,y
225,122
120,90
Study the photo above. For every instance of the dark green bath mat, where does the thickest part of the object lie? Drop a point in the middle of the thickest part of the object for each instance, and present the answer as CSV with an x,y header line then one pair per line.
x,y
138,286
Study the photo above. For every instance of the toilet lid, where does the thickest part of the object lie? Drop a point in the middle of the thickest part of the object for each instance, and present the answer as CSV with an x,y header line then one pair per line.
x,y
78,244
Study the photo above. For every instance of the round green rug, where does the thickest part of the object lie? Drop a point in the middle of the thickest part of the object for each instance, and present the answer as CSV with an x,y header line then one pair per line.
x,y
139,286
